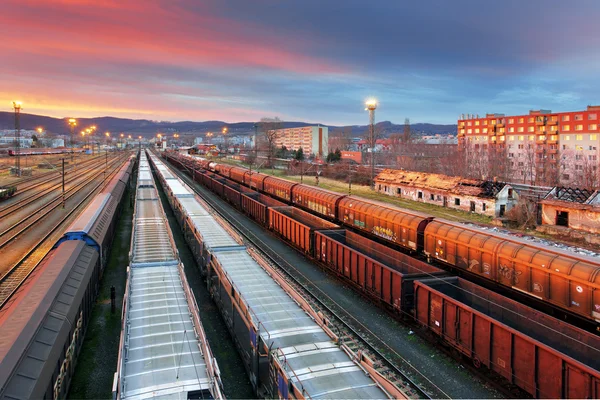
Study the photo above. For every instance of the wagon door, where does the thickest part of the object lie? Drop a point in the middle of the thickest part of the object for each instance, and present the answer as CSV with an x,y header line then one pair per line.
x,y
577,383
450,321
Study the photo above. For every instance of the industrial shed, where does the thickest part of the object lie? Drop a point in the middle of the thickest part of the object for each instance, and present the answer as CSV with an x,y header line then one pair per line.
x,y
572,208
483,197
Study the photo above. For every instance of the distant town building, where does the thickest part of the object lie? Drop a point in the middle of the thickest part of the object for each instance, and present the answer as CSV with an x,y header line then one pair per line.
x,y
541,147
482,197
11,140
312,139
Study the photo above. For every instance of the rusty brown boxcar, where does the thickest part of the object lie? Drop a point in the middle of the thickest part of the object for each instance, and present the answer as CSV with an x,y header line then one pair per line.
x,y
223,169
375,269
321,201
280,188
232,193
256,206
544,356
237,174
217,185
297,226
255,180
566,279
401,227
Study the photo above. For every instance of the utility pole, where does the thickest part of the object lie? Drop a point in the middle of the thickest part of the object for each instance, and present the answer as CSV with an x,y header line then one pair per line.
x,y
17,106
72,123
371,106
349,178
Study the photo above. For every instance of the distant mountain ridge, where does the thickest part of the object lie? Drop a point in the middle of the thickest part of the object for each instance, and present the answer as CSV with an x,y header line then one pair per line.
x,y
146,127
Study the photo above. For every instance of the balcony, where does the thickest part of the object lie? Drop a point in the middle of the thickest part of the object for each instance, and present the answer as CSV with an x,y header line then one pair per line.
x,y
540,150
552,160
540,141
540,122
549,122
549,140
552,151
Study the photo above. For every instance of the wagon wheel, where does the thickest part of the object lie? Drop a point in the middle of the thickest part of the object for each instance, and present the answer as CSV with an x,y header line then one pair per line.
x,y
477,362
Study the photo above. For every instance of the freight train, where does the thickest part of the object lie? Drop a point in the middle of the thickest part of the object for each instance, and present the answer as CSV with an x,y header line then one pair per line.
x,y
287,348
563,279
537,353
43,151
44,322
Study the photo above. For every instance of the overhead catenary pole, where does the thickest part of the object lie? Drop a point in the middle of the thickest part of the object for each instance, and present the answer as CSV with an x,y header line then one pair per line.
x,y
63,183
371,106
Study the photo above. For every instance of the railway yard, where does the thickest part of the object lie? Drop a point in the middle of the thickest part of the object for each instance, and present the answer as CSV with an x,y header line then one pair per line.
x,y
233,283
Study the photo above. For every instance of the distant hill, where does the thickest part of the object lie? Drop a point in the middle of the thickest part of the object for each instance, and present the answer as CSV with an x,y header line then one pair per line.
x,y
146,127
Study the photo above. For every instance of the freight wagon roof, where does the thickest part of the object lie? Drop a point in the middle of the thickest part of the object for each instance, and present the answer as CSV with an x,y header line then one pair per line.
x,y
178,188
89,216
163,356
44,309
354,201
192,207
305,350
165,172
151,238
560,252
213,234
146,193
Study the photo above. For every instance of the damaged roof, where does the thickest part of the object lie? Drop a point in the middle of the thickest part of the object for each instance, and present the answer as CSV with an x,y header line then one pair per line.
x,y
574,195
452,184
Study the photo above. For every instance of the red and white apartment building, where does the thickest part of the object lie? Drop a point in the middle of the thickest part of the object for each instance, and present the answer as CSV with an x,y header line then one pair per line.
x,y
542,147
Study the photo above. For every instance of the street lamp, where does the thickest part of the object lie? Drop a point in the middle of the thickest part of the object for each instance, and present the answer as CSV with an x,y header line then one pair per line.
x,y
72,124
371,105
225,140
122,140
140,142
17,107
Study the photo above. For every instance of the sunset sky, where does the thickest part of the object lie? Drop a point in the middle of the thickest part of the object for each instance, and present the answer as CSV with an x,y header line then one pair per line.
x,y
309,60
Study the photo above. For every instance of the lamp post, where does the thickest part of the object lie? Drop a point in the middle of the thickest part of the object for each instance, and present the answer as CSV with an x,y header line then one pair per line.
x,y
371,105
225,140
107,134
72,124
140,143
122,140
17,107
90,144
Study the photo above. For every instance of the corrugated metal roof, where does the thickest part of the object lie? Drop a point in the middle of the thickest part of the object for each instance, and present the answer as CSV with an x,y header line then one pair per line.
x,y
305,350
162,353
178,188
192,207
213,234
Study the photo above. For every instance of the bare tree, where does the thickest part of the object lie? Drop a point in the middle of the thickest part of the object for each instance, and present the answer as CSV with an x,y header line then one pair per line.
x,y
269,128
341,138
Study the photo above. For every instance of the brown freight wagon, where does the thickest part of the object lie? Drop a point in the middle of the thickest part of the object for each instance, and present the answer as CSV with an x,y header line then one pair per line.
x,y
280,188
256,206
255,180
542,355
223,169
217,185
395,225
232,193
321,201
207,179
237,174
566,279
379,271
297,226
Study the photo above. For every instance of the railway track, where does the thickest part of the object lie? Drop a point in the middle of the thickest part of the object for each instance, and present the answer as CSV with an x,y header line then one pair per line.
x,y
18,273
22,203
351,332
4,211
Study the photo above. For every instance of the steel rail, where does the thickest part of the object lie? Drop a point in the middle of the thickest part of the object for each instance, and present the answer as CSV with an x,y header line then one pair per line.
x,y
8,285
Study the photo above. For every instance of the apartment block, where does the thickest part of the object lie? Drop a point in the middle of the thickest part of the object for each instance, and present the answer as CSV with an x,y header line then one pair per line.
x,y
541,147
312,139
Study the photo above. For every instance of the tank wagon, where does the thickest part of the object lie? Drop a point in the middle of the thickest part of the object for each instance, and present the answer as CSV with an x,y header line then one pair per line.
x,y
551,279
43,324
281,342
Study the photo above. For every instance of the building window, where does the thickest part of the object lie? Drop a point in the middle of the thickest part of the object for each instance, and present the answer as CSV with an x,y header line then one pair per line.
x,y
566,117
431,196
476,123
566,127
554,128
462,131
457,201
521,147
420,195
511,138
578,147
592,127
565,176
593,137
592,116
578,137
553,137
531,129
578,167
469,123
511,121
469,130
565,147
567,137
521,129
511,155
531,137
520,163
521,120
380,187
502,138
530,120
579,128
578,117
592,157
521,137
578,157
484,130
542,128
398,191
